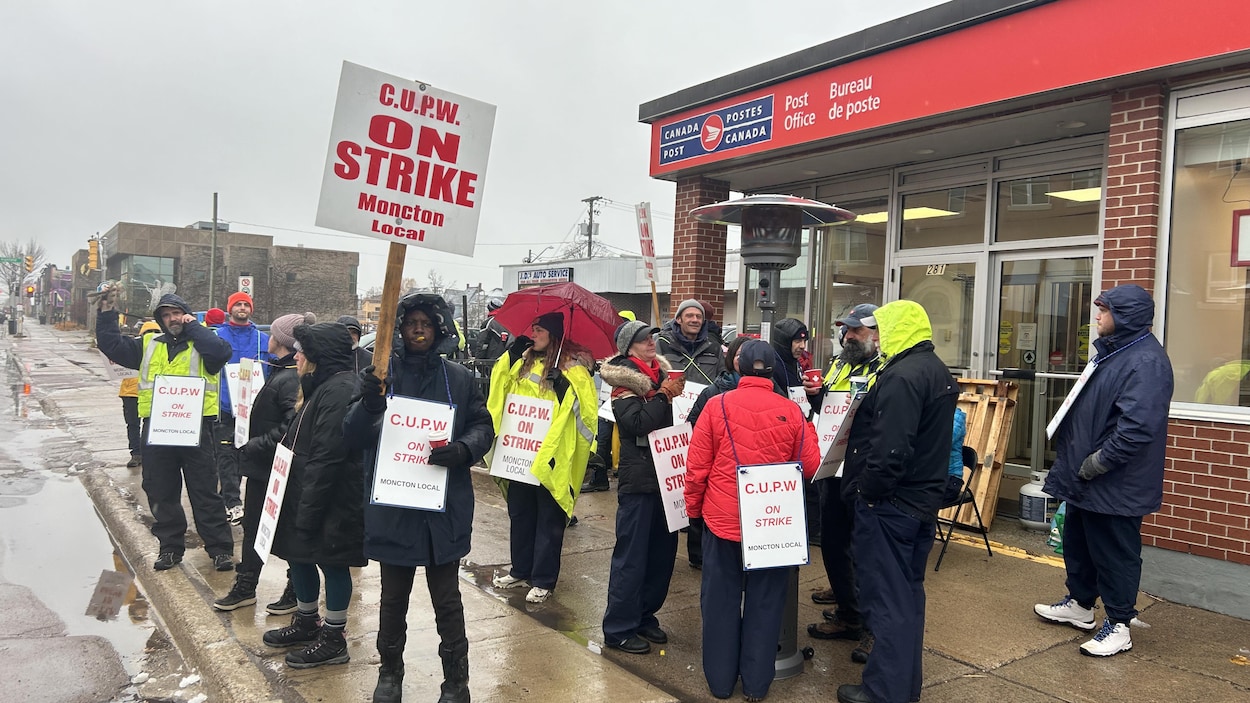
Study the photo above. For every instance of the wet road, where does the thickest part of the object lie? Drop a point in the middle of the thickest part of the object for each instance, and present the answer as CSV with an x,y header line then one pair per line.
x,y
53,550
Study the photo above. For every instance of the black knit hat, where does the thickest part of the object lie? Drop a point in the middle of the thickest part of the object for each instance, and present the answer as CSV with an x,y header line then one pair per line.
x,y
553,322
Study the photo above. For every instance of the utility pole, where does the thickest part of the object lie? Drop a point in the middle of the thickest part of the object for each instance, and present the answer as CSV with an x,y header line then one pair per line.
x,y
590,228
212,257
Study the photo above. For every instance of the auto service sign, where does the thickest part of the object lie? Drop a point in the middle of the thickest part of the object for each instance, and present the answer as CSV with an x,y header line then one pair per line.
x,y
407,162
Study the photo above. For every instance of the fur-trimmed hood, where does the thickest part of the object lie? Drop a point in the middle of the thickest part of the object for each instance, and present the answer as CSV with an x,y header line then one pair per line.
x,y
620,372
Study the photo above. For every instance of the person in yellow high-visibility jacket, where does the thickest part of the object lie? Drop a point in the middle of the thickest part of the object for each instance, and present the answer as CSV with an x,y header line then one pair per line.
x,y
860,357
188,349
539,514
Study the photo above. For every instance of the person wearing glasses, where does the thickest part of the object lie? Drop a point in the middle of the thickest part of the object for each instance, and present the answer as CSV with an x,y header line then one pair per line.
x,y
402,539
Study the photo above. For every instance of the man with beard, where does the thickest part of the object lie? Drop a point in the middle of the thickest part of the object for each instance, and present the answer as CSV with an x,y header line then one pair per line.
x,y
185,349
859,357
246,342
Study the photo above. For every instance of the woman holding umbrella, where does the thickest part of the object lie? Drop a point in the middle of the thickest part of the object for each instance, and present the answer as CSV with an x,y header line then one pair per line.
x,y
548,367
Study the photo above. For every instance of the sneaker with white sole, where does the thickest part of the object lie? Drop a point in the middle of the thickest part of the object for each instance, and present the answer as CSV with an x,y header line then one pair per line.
x,y
510,581
538,595
234,514
1068,612
1113,638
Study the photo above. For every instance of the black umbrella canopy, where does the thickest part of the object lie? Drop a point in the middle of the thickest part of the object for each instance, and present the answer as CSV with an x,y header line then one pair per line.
x,y
815,213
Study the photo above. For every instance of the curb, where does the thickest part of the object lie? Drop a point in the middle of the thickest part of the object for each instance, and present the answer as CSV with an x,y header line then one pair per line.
x,y
226,669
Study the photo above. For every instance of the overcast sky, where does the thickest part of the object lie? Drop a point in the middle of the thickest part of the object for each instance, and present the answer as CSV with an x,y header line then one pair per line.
x,y
138,110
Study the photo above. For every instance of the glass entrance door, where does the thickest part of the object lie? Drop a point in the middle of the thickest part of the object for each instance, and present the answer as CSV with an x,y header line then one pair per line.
x,y
949,291
1039,339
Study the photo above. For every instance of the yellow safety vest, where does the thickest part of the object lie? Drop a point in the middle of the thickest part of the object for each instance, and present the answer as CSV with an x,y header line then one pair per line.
x,y
156,363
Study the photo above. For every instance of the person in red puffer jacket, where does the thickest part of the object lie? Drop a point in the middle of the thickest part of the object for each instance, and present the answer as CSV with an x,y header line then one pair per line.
x,y
742,610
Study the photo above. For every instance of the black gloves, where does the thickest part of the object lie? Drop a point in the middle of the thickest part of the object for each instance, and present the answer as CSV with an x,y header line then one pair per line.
x,y
372,391
1092,467
517,348
453,455
559,383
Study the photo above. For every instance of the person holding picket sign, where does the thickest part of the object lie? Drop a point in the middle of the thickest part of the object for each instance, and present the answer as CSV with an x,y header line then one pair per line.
x,y
749,427
320,525
642,560
547,379
398,535
271,414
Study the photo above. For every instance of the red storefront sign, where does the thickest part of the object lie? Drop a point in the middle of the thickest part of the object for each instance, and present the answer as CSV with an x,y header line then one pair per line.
x,y
1061,44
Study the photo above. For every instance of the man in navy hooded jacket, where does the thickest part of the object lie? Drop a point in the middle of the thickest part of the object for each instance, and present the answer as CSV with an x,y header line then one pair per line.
x,y
246,342
1109,468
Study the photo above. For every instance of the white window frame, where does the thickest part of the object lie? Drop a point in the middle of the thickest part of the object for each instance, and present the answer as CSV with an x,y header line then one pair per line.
x,y
1181,410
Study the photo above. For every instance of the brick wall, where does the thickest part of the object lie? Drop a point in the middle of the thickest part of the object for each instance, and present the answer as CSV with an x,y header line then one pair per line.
x,y
698,247
1205,502
1134,178
324,282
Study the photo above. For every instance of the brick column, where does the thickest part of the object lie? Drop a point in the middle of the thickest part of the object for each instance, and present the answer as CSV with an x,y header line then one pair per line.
x,y
1134,183
698,247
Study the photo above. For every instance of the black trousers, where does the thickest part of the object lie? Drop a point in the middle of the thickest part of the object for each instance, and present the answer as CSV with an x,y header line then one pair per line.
x,y
1102,555
165,471
837,523
253,504
134,428
892,550
444,584
642,566
537,534
742,613
228,460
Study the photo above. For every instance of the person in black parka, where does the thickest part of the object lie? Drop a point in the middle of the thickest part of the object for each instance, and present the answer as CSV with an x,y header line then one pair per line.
x,y
402,539
321,525
270,415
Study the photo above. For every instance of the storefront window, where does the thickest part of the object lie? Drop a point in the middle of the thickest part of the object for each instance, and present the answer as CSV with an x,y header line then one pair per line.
x,y
941,218
850,268
145,278
1044,207
1208,319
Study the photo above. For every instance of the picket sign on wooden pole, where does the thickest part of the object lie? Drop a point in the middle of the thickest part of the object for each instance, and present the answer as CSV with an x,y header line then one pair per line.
x,y
390,302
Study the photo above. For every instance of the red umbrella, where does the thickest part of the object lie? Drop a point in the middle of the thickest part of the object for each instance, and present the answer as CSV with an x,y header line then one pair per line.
x,y
589,319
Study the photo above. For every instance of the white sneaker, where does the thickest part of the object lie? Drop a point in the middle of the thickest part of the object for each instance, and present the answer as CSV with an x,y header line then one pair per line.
x,y
509,581
538,595
235,515
1111,639
1069,612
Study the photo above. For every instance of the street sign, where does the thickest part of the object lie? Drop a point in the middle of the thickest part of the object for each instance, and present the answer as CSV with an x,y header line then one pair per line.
x,y
11,260
245,284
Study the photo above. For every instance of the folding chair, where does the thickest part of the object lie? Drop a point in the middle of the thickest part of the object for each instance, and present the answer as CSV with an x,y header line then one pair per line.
x,y
965,497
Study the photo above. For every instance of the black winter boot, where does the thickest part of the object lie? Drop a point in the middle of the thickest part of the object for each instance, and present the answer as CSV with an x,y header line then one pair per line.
x,y
390,688
286,604
330,648
455,687
303,629
241,594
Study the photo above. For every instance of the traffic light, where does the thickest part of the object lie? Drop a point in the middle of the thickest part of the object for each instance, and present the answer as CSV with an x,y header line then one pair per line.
x,y
30,290
93,254
30,264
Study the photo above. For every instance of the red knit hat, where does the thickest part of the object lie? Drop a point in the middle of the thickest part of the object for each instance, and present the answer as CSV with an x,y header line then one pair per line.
x,y
239,297
215,316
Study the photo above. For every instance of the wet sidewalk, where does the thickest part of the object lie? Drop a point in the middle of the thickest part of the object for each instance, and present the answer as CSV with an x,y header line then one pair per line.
x,y
983,642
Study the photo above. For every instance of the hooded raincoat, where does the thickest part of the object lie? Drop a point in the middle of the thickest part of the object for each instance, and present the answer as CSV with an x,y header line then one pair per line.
x,y
1122,413
561,462
322,512
404,537
901,436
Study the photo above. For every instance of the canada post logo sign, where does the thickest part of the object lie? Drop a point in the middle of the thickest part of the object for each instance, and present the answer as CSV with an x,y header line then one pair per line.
x,y
728,128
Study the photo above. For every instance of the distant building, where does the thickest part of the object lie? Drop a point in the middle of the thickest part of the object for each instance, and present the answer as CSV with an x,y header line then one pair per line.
x,y
147,259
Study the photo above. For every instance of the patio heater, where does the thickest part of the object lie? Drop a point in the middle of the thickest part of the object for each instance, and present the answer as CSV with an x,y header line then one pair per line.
x,y
772,230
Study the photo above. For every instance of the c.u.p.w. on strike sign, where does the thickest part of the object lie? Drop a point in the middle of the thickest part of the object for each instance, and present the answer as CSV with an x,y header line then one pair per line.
x,y
407,162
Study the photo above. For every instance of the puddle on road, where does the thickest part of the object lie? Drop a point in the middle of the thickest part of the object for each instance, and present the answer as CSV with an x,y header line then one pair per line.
x,y
51,540
55,545
551,614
